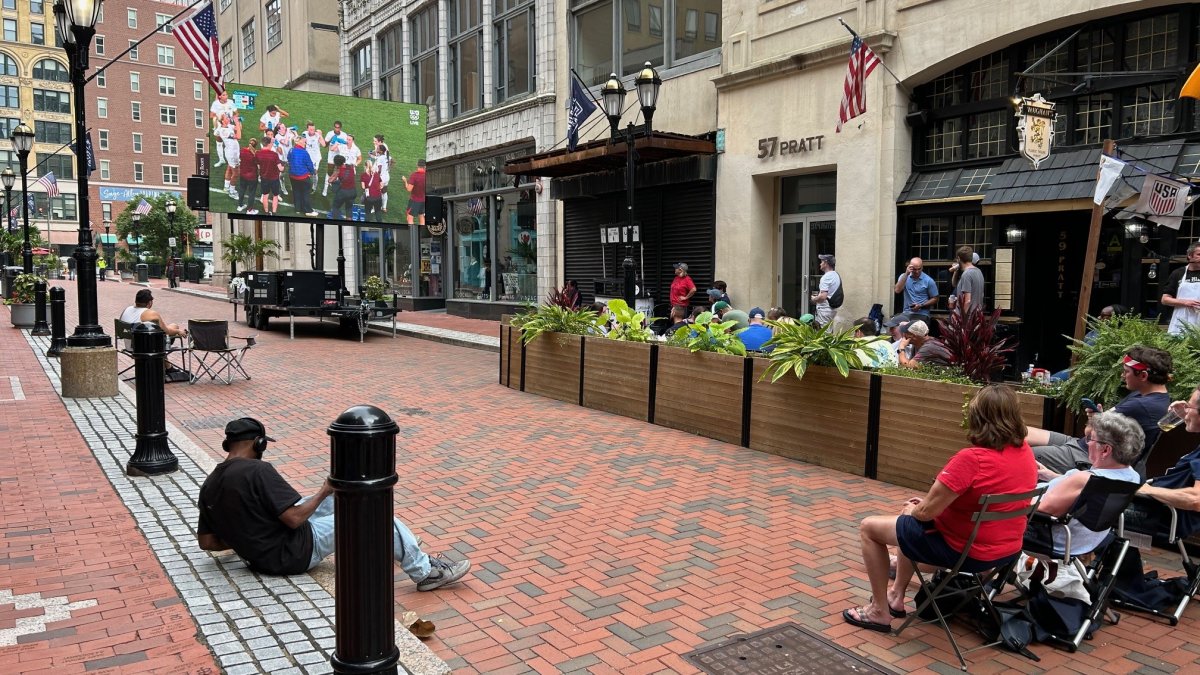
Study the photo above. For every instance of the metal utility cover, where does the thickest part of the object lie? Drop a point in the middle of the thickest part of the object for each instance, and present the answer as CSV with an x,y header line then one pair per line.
x,y
786,648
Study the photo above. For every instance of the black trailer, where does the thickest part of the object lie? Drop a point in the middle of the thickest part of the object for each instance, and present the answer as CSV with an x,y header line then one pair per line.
x,y
311,293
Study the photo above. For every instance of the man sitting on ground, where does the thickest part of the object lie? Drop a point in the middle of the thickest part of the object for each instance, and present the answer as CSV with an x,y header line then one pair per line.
x,y
141,311
1146,371
757,333
245,505
916,348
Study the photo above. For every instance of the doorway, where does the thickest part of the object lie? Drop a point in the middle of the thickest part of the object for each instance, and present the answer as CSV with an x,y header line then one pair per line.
x,y
802,239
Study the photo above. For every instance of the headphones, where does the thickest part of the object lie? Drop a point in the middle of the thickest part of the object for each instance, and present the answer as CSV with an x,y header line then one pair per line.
x,y
260,445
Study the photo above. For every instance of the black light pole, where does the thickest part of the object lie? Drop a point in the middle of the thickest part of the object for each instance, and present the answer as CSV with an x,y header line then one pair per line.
x,y
137,240
8,178
108,247
171,206
22,140
75,22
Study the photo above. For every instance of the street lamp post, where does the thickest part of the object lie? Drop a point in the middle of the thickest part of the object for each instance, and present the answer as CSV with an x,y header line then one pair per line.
x,y
8,178
137,240
613,93
108,247
22,140
171,277
75,22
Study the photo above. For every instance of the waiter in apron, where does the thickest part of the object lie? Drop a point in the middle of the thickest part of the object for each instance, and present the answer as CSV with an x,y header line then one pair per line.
x,y
1181,292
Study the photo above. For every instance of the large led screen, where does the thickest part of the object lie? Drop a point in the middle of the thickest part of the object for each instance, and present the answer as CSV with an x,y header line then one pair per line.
x,y
303,156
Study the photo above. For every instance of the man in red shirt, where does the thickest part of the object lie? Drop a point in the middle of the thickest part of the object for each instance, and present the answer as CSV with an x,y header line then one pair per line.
x,y
682,288
269,168
415,183
248,177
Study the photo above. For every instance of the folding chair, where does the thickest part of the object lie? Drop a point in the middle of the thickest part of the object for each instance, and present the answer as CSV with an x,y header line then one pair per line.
x,y
1098,508
210,349
1191,568
124,331
969,586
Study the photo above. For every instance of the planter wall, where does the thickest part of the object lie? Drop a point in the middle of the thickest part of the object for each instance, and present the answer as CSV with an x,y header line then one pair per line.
x,y
617,377
700,393
822,419
552,366
22,314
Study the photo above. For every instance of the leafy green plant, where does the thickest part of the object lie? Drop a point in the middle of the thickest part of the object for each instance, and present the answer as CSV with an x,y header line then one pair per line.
x,y
970,337
630,325
374,288
1096,374
245,250
948,374
798,345
709,334
554,319
22,289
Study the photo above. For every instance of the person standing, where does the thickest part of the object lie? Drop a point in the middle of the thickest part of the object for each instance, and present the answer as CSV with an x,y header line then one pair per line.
x,y
229,133
372,194
269,169
102,266
221,107
313,142
415,184
829,291
682,286
300,172
919,289
344,189
335,140
969,291
248,177
1181,292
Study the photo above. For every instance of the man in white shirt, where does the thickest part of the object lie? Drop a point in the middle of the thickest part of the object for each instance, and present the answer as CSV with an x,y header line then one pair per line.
x,y
335,140
829,286
220,107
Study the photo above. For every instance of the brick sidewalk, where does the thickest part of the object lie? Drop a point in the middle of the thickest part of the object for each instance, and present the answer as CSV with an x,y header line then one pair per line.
x,y
80,589
599,544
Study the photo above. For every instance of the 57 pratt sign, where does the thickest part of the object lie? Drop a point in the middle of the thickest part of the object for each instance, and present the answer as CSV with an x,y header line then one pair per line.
x,y
1035,126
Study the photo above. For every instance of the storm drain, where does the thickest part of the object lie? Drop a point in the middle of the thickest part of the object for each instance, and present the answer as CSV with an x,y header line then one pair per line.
x,y
786,648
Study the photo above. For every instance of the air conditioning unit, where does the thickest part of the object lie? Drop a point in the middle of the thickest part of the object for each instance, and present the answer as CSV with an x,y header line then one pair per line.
x,y
166,28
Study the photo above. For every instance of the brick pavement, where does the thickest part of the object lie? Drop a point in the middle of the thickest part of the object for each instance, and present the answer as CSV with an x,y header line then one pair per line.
x,y
600,544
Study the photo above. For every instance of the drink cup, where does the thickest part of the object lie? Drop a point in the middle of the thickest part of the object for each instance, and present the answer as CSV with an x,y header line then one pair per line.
x,y
1169,421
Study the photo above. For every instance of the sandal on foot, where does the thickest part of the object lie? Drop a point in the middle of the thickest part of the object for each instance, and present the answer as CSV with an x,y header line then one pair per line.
x,y
896,613
863,623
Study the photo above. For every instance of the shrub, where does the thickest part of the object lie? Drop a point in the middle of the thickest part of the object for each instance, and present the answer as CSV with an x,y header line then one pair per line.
x,y
559,297
970,337
628,325
709,335
374,288
22,289
798,345
554,319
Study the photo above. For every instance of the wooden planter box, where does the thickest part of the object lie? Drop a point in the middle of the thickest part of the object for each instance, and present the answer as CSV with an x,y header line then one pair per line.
x,y
616,377
821,419
700,393
552,366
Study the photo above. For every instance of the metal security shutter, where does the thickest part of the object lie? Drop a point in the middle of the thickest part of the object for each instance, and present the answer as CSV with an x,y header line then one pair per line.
x,y
686,233
582,219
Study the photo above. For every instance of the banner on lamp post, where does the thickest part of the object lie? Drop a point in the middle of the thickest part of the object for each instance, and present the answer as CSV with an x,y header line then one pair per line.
x,y
1035,126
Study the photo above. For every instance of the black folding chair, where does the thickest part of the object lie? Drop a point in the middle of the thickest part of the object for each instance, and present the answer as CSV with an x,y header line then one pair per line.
x,y
211,352
1191,569
955,588
124,331
1098,508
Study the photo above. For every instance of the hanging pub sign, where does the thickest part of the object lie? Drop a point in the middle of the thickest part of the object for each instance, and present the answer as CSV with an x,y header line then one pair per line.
x,y
1035,124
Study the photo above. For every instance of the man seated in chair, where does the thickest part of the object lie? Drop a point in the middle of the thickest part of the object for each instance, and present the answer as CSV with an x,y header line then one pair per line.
x,y
1176,488
1114,442
141,311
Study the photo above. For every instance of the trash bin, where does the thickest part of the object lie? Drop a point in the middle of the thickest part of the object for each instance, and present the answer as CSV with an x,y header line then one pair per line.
x,y
10,273
143,273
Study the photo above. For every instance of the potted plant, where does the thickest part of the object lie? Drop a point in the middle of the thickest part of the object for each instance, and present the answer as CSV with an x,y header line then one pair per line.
x,y
20,300
127,262
375,289
552,337
616,366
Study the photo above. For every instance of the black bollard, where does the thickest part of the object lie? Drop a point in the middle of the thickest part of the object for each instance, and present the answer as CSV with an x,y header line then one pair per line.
x,y
58,321
40,327
151,456
362,451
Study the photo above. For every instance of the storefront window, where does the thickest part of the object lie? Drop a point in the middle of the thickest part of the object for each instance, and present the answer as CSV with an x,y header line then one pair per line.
x,y
472,249
397,259
516,246
431,264
369,245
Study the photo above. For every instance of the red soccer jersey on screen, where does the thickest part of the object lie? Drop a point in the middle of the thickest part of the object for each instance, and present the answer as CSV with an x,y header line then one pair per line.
x,y
248,166
417,180
268,164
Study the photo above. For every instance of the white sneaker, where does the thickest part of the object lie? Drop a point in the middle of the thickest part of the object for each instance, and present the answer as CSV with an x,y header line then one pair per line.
x,y
241,208
313,214
252,212
219,163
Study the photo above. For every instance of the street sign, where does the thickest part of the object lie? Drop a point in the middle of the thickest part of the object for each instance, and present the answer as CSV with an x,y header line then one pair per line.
x,y
171,242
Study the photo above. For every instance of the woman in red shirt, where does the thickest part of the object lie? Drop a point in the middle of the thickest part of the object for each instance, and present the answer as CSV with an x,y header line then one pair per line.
x,y
933,530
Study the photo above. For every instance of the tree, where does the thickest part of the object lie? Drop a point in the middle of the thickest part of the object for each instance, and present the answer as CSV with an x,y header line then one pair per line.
x,y
244,250
155,227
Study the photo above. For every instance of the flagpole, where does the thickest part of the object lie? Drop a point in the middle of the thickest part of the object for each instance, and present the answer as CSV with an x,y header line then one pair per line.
x,y
587,89
902,86
1089,259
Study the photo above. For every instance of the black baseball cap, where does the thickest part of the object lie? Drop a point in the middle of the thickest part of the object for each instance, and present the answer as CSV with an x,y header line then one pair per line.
x,y
244,429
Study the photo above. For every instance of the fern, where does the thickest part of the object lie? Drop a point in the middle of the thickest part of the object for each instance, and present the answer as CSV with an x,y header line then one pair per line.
x,y
554,319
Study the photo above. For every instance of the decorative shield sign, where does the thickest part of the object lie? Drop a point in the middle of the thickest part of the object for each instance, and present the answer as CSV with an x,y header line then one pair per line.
x,y
1035,124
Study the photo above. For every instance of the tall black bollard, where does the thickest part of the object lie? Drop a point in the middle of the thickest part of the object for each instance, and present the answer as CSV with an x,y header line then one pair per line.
x,y
362,450
58,321
151,456
40,327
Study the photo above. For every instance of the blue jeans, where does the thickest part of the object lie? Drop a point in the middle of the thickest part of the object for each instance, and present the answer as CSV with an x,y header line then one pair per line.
x,y
413,560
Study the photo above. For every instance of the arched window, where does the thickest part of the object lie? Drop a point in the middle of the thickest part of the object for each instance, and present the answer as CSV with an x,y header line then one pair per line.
x,y
8,65
51,70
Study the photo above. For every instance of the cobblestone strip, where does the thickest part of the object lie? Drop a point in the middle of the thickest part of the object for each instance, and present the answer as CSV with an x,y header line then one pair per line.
x,y
252,623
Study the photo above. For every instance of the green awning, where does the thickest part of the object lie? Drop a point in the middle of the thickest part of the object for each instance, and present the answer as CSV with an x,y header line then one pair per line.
x,y
108,239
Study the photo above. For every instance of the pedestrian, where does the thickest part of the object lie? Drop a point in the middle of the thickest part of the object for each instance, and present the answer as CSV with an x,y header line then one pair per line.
x,y
71,268
300,172
829,295
682,286
102,266
919,290
1181,292
245,505
968,291
574,297
172,280
756,333
345,191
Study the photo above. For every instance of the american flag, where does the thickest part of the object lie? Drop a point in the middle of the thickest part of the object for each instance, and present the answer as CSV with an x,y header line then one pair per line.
x,y
48,181
854,97
198,37
143,207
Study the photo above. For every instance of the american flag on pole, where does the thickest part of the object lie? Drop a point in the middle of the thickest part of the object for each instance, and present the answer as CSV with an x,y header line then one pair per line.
x,y
854,97
198,37
50,183
143,207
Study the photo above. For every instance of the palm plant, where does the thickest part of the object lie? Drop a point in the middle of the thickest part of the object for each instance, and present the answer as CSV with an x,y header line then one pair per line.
x,y
970,338
798,345
244,249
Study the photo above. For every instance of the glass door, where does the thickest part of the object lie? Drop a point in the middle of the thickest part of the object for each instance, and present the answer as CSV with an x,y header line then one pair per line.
x,y
802,239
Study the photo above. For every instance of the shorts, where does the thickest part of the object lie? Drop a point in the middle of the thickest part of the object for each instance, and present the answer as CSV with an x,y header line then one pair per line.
x,y
270,186
921,542
416,208
233,159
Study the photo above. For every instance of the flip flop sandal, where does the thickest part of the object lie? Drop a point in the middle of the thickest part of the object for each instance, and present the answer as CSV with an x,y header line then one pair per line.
x,y
862,623
896,613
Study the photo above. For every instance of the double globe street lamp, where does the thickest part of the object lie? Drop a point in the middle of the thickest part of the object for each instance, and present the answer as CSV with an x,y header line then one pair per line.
x,y
22,140
75,23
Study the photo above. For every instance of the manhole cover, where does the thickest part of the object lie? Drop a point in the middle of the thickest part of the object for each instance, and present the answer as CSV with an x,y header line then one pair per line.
x,y
787,648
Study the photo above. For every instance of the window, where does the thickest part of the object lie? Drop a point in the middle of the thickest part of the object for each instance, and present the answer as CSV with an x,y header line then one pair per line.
x,y
161,20
61,207
138,171
424,36
466,62
135,81
199,146
166,114
274,25
987,133
197,90
1151,43
97,44
8,65
137,142
166,55
7,124
248,44
131,17
943,141
170,145
594,43
1148,111
10,30
199,117
63,165
102,108
166,85
37,33
51,71
133,50
170,175
136,111
391,85
103,138
655,14
106,210
227,58
10,96
52,132
360,71
105,169
664,32
225,4
1093,118
514,30
48,100
101,79
35,7
10,4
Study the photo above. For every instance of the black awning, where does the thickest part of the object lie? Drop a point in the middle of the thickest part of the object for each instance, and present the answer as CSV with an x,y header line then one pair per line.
x,y
606,155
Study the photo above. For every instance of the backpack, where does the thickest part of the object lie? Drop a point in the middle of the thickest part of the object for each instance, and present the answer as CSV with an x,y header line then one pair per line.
x,y
838,297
